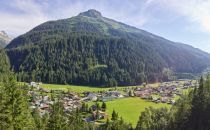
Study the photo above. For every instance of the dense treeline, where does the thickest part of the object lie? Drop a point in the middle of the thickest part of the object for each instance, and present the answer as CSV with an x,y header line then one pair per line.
x,y
191,112
86,60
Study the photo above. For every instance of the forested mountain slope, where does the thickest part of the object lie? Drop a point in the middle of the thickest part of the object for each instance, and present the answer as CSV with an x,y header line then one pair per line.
x,y
90,49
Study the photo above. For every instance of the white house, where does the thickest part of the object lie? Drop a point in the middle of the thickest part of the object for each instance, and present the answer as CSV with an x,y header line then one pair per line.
x,y
92,97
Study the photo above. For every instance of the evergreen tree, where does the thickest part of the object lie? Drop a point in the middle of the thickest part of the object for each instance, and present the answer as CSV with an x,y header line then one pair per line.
x,y
103,106
114,116
14,109
57,119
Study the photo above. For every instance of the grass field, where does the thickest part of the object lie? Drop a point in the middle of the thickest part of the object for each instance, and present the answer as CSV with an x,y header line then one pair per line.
x,y
73,88
76,88
130,108
79,89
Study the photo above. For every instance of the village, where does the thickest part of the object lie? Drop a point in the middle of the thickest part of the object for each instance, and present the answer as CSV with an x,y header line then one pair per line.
x,y
166,92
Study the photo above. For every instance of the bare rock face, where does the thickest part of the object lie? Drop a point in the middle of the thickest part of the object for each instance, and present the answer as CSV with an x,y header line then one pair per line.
x,y
4,39
91,13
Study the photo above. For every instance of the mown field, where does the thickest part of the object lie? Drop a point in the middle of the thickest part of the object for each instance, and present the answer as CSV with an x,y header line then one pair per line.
x,y
71,87
79,89
130,108
76,88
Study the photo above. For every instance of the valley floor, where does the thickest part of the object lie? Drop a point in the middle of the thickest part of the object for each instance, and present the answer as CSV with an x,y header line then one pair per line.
x,y
128,107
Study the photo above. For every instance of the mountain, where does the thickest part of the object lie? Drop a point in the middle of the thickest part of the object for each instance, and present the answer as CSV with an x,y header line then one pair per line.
x,y
4,39
90,49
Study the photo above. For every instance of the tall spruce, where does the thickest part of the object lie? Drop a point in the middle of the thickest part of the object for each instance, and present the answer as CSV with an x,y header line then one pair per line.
x,y
14,109
57,119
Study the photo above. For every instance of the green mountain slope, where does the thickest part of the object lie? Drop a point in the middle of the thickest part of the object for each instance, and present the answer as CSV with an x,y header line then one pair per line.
x,y
93,50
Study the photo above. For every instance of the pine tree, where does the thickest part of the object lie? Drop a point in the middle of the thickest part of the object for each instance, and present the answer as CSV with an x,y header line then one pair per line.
x,y
37,120
57,120
83,108
97,115
86,108
103,106
114,116
14,109
130,93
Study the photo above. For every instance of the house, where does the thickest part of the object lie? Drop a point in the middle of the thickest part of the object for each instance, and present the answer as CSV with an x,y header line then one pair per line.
x,y
45,98
107,98
42,112
73,96
172,102
45,90
154,98
33,84
102,115
44,106
165,99
144,92
114,94
92,97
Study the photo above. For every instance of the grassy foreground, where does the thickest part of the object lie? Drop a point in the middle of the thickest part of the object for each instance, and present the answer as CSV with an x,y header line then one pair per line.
x,y
130,108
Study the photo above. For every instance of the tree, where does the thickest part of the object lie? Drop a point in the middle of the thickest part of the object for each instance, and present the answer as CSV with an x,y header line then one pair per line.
x,y
97,106
14,109
75,121
57,119
114,116
83,108
86,108
103,106
37,119
97,115
154,119
130,93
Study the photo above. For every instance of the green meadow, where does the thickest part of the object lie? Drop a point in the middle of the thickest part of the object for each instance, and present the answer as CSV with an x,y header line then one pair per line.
x,y
78,89
74,88
130,108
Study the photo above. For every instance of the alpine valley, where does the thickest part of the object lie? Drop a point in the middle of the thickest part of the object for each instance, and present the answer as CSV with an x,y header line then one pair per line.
x,y
90,49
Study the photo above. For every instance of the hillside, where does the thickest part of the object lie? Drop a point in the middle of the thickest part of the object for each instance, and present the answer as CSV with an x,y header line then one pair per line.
x,y
90,49
4,39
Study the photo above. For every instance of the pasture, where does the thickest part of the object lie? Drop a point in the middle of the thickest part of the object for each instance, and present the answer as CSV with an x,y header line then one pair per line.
x,y
79,89
130,108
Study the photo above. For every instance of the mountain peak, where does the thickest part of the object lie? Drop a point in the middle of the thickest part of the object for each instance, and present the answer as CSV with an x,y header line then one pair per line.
x,y
3,33
91,13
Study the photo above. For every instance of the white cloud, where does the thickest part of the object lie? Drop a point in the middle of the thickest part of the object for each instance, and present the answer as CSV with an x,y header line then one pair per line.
x,y
196,11
31,13
28,15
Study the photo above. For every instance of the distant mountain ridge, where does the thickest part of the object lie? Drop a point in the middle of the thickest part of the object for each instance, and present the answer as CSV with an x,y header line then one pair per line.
x,y
4,39
135,54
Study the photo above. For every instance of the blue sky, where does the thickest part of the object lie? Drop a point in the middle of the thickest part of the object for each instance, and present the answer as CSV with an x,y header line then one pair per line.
x,y
186,21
